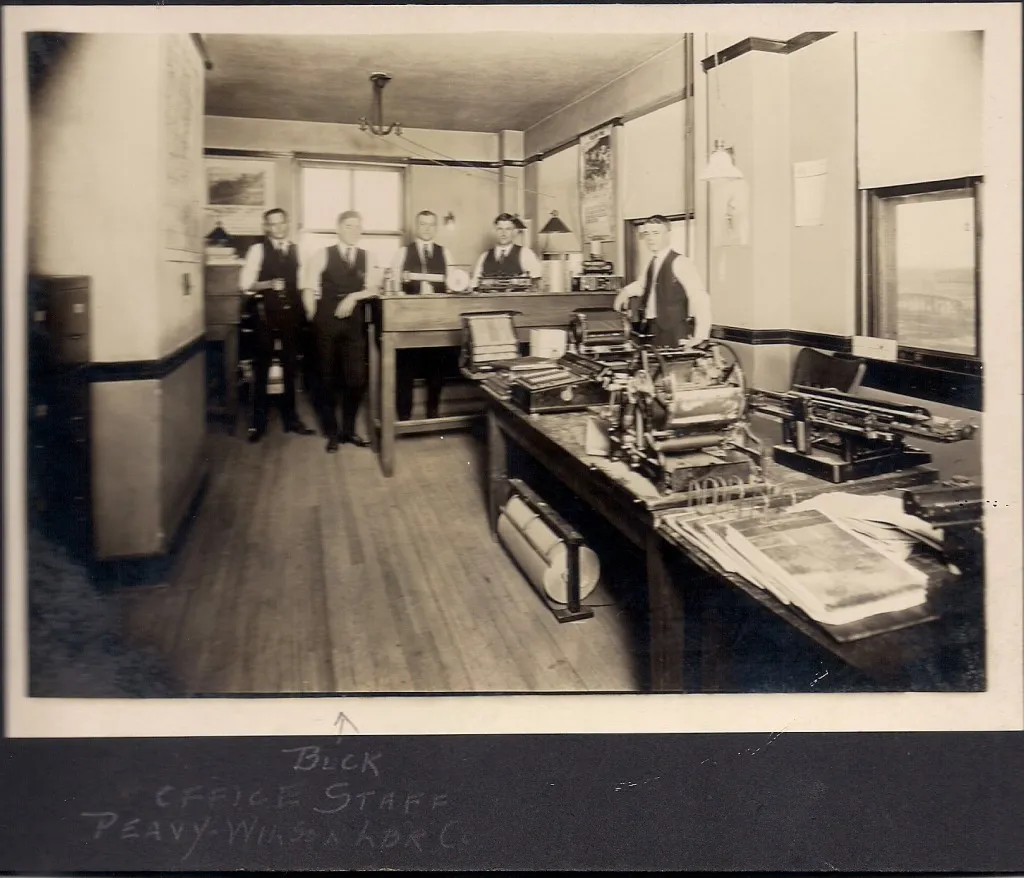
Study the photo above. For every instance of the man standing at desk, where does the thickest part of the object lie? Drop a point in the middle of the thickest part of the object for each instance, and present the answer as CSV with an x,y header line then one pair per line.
x,y
506,259
673,300
334,289
421,256
271,271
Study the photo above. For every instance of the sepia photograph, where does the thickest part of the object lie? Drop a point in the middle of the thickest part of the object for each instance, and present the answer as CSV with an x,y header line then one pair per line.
x,y
665,360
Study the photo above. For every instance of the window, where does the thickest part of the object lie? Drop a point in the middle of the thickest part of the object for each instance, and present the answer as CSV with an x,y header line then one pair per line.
x,y
328,188
922,277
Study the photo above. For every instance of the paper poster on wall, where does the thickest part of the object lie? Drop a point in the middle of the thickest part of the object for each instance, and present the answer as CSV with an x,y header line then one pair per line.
x,y
731,200
597,185
809,181
238,191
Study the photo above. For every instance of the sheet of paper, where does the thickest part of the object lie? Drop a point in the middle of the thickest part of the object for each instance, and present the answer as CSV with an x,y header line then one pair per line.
x,y
809,182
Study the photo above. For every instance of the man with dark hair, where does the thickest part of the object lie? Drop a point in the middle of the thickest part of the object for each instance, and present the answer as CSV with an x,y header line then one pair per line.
x,y
271,275
333,289
421,256
673,302
506,259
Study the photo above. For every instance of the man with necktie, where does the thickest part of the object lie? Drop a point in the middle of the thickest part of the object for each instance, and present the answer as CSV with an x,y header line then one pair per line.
x,y
421,256
506,259
271,276
333,292
674,307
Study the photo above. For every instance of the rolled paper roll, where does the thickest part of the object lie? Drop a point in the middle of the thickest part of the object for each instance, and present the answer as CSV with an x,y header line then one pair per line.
x,y
542,555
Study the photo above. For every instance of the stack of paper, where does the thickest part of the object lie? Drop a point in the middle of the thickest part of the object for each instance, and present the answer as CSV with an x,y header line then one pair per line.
x,y
878,517
831,573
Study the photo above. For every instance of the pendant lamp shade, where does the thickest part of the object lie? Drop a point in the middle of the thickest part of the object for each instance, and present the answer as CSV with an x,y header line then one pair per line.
x,y
554,225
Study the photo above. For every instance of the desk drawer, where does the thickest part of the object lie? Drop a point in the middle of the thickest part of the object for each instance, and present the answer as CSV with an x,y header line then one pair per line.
x,y
223,309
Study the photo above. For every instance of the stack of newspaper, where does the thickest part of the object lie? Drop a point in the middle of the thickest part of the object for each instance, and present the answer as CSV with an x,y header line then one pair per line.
x,y
829,566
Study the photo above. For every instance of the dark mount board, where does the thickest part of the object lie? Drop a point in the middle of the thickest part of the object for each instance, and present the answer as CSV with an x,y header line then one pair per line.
x,y
780,802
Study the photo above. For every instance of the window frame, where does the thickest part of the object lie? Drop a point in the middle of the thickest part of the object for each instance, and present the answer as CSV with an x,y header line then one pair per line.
x,y
398,168
868,317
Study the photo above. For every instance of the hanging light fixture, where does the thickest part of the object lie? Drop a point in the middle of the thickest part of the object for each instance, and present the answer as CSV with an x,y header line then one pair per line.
x,y
720,164
376,124
554,224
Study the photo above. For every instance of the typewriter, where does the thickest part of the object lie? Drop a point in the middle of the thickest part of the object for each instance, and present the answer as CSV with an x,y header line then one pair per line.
x,y
598,277
520,283
570,384
604,336
841,438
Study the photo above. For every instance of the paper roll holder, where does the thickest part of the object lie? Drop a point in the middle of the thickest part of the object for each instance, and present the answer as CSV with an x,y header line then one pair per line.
x,y
574,610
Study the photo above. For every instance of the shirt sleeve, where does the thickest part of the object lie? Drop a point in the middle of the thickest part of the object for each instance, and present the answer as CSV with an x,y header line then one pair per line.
x,y
312,268
398,263
477,270
251,269
530,263
697,295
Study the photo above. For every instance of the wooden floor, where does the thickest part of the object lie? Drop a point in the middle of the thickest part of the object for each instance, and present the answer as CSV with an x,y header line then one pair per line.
x,y
309,572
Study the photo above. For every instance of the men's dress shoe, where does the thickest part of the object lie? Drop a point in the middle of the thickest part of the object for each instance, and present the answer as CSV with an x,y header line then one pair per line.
x,y
297,426
332,445
358,441
256,433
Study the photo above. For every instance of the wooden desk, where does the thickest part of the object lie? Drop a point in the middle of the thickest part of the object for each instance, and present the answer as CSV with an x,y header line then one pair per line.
x,y
678,577
435,321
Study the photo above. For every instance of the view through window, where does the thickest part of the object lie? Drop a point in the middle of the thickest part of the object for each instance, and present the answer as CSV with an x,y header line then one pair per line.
x,y
924,282
328,189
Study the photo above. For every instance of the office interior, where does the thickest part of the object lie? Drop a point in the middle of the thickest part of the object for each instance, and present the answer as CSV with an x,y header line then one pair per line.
x,y
273,567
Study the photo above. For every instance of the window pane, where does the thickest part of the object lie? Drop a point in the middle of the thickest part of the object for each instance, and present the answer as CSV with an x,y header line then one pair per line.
x,y
936,296
325,194
924,285
378,197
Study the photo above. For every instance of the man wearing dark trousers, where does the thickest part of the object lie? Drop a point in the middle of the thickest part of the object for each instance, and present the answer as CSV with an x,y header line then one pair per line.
x,y
333,292
421,257
271,274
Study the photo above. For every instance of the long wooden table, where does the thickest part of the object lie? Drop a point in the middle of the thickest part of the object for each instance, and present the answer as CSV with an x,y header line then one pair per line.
x,y
679,578
429,321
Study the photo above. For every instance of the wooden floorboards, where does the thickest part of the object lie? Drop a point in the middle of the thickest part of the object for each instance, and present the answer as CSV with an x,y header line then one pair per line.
x,y
308,572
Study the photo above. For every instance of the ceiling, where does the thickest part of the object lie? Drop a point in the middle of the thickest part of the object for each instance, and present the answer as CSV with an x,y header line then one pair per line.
x,y
456,82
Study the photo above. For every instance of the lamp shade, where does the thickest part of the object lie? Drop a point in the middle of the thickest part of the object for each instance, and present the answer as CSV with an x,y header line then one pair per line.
x,y
554,225
720,166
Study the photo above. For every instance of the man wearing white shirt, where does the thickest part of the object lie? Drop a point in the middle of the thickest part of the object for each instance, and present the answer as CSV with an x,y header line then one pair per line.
x,y
673,302
333,290
506,259
271,273
421,256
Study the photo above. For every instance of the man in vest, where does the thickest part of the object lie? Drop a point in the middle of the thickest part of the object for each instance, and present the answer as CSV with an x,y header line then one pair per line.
x,y
673,303
507,259
421,256
333,292
271,273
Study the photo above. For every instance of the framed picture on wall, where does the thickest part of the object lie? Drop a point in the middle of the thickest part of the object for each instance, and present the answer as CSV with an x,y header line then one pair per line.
x,y
238,191
597,185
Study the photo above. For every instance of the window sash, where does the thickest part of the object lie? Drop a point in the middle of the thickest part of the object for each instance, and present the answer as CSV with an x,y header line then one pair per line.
x,y
352,169
880,292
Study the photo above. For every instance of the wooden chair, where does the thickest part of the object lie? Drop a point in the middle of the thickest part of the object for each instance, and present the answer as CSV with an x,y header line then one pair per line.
x,y
827,372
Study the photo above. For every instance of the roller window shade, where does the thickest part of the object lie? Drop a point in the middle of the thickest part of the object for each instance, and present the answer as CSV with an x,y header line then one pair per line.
x,y
653,163
919,107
